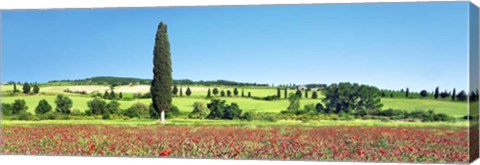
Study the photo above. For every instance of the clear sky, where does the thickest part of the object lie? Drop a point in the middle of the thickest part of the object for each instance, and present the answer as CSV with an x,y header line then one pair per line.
x,y
388,45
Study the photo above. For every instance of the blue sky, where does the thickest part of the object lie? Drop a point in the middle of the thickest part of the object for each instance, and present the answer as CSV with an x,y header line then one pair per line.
x,y
388,45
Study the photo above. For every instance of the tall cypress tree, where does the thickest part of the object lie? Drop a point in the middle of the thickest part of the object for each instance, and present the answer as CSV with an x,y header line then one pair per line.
x,y
188,92
175,90
285,93
278,93
235,92
454,94
306,94
435,95
161,88
209,93
243,93
14,87
181,91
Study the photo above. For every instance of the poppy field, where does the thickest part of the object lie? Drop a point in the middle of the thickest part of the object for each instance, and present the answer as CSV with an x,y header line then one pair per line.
x,y
339,143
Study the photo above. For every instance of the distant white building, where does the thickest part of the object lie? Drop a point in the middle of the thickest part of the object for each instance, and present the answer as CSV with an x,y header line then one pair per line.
x,y
302,87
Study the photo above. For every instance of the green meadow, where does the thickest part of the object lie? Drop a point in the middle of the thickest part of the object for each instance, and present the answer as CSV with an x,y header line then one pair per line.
x,y
185,103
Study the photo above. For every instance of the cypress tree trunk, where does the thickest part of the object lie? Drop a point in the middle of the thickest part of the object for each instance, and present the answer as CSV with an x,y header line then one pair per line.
x,y
162,82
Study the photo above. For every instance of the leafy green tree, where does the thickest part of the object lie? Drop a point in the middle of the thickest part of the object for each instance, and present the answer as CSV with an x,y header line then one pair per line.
x,y
247,116
232,111
175,90
139,110
113,107
209,93
222,93
120,95
424,93
229,93
348,98
298,93
314,95
454,94
436,94
235,92
161,87
26,88
64,104
43,107
216,109
97,106
200,111
462,96
36,89
215,91
249,94
391,95
383,93
19,105
188,92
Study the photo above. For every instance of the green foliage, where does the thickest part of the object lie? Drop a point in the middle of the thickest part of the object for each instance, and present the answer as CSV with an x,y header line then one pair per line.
x,y
235,92
36,89
209,93
220,110
229,93
181,92
112,95
222,93
462,96
423,93
454,94
138,110
18,106
43,107
23,115
347,97
314,95
161,87
200,111
298,93
407,92
64,104
172,112
285,93
26,88
120,95
278,93
7,109
249,94
113,107
188,92
215,91
294,106
97,106
106,95
436,94
175,90
15,90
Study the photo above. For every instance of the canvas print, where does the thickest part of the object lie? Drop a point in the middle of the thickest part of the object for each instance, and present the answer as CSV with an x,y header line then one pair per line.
x,y
372,82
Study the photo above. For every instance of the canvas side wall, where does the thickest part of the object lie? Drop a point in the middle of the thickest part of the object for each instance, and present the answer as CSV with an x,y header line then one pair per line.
x,y
474,80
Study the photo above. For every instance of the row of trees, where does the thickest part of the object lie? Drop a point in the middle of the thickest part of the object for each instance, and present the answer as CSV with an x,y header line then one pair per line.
x,y
229,93
436,94
177,92
26,88
19,107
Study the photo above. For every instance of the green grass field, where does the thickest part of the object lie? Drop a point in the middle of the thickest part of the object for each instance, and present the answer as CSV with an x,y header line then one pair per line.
x,y
453,108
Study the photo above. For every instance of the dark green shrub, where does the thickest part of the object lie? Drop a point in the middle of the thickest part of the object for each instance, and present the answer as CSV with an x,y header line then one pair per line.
x,y
200,111
97,106
43,107
7,109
